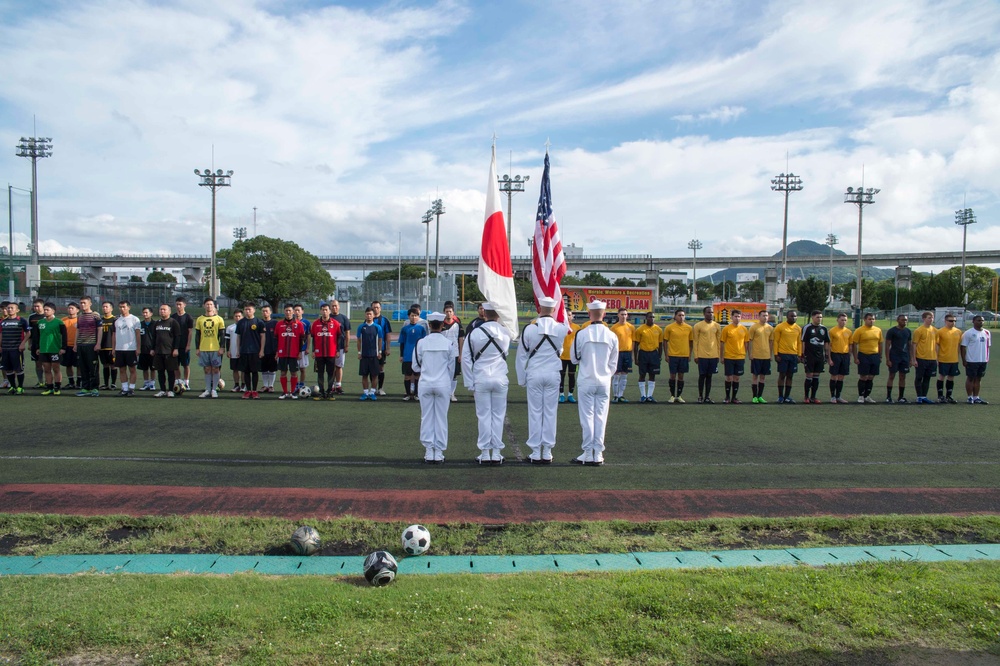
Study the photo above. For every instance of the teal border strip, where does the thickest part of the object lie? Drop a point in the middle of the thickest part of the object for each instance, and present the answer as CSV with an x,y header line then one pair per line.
x,y
489,564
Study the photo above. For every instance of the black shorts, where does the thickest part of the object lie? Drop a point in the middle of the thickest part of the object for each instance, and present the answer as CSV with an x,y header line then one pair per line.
x,y
107,356
167,362
814,366
975,370
34,355
249,363
125,359
649,362
269,363
69,359
869,364
12,361
145,361
678,364
325,364
235,365
948,369
382,357
624,362
708,366
788,364
760,366
899,364
288,364
407,369
56,358
840,364
368,366
184,358
734,367
926,368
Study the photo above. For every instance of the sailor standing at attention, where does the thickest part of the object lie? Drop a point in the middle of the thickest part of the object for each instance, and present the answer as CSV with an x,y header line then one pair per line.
x,y
595,349
484,371
434,360
538,367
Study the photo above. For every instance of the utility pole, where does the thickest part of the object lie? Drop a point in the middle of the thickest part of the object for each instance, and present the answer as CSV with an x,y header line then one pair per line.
x,y
860,197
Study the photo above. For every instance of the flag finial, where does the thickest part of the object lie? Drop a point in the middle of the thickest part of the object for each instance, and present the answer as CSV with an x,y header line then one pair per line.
x,y
547,144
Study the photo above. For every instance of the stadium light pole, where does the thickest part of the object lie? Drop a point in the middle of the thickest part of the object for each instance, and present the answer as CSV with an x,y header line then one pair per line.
x,y
831,240
964,217
510,186
437,209
426,219
787,183
213,180
860,197
694,246
34,148
240,233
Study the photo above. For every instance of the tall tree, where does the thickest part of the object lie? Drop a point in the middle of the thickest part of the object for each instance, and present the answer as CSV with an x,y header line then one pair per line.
x,y
274,270
673,289
752,291
161,277
810,294
595,279
623,282
407,272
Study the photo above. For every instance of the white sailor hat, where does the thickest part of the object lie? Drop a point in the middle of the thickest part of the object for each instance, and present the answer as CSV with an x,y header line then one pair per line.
x,y
597,305
435,316
489,306
547,302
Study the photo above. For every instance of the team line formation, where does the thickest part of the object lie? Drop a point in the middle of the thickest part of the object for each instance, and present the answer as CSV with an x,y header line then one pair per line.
x,y
586,364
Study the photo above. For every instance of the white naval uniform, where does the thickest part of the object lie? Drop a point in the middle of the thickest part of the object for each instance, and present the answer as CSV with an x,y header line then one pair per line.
x,y
484,371
595,349
434,359
538,366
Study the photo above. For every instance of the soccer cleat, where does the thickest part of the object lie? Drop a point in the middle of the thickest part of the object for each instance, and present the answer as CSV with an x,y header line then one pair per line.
x,y
651,400
678,400
170,394
671,400
562,398
372,397
83,393
968,400
236,389
254,395
363,397
330,397
56,392
284,396
975,401
841,401
160,394
753,400
789,401
888,401
19,391
245,396
902,401
215,394
49,391
725,401
95,393
622,399
708,401
761,401
571,399
318,396
453,398
833,401
735,401
407,398
869,400
781,399
295,396
642,399
941,400
861,399
105,388
381,392
205,393
950,400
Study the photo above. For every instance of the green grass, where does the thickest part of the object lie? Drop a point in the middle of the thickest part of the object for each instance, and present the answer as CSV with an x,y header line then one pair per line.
x,y
347,444
791,615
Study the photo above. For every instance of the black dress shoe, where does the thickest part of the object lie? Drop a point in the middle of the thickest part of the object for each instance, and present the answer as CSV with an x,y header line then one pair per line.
x,y
594,463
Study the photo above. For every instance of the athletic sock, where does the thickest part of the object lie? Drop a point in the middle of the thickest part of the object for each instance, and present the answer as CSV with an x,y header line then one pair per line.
x,y
701,386
284,384
949,385
708,385
680,388
20,382
406,386
736,389
940,388
621,393
649,389
861,388
833,388
902,390
729,389
814,388
673,387
888,392
381,379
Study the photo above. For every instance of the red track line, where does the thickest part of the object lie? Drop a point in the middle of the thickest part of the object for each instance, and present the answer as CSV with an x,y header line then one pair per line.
x,y
507,506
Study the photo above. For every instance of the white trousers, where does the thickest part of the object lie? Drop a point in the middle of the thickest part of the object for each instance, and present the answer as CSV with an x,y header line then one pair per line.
x,y
434,403
594,401
543,403
491,409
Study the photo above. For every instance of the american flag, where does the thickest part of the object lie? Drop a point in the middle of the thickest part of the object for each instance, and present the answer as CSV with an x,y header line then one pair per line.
x,y
548,263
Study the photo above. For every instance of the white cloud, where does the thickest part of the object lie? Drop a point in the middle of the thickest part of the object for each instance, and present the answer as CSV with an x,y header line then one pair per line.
x,y
722,114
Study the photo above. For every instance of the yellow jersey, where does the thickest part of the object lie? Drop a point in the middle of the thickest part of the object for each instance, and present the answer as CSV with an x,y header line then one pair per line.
x,y
924,342
706,339
948,340
624,331
840,340
648,337
208,329
787,339
678,338
760,340
568,340
868,339
734,342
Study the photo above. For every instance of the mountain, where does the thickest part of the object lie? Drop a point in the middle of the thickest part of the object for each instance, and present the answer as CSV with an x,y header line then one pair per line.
x,y
807,248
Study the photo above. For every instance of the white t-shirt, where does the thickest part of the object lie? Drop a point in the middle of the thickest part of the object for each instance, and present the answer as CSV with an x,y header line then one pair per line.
x,y
977,345
125,328
234,348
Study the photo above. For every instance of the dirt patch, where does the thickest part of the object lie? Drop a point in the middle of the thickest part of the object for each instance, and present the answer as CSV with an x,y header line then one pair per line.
x,y
897,656
125,533
10,543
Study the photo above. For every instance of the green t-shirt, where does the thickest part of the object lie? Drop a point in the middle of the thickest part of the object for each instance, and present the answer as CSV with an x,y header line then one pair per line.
x,y
50,335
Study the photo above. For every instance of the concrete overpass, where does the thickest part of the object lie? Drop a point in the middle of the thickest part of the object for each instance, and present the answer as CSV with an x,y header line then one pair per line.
x,y
193,266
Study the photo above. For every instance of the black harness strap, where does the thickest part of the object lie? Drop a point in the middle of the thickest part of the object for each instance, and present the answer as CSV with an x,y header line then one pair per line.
x,y
545,338
491,341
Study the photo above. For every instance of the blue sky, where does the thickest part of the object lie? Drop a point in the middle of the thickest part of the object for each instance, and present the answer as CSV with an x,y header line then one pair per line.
x,y
667,120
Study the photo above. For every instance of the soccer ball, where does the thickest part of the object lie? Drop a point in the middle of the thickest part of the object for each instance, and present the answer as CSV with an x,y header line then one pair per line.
x,y
305,540
317,389
222,383
380,568
178,388
416,540
305,392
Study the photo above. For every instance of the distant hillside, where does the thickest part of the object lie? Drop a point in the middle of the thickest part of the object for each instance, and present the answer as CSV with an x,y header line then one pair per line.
x,y
807,248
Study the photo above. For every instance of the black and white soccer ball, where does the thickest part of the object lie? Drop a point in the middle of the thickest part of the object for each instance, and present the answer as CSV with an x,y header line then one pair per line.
x,y
380,568
305,540
222,383
416,540
305,392
179,388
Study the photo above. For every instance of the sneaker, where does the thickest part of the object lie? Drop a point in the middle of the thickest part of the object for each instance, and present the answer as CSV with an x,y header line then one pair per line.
x,y
340,391
707,401
95,393
735,401
236,389
284,396
295,396
381,392
246,395
372,397
842,401
888,401
678,400
968,400
123,393
160,394
58,392
329,396
562,398
214,394
571,399
170,394
254,395
789,401
205,393
700,400
950,400
781,399
902,401
318,396
861,399
105,387
622,399
49,391
364,396
453,398
761,401
671,400
269,389
642,399
975,401
651,400
407,398
869,400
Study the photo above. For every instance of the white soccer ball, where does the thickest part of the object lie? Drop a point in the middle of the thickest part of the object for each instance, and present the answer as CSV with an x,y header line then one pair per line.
x,y
178,388
380,568
222,383
305,540
305,392
317,389
416,540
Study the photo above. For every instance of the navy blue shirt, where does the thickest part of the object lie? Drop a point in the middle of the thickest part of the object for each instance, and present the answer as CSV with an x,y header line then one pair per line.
x,y
249,331
270,341
897,340
369,334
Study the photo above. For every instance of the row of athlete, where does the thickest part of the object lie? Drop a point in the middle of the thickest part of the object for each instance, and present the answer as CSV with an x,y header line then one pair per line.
x,y
928,350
